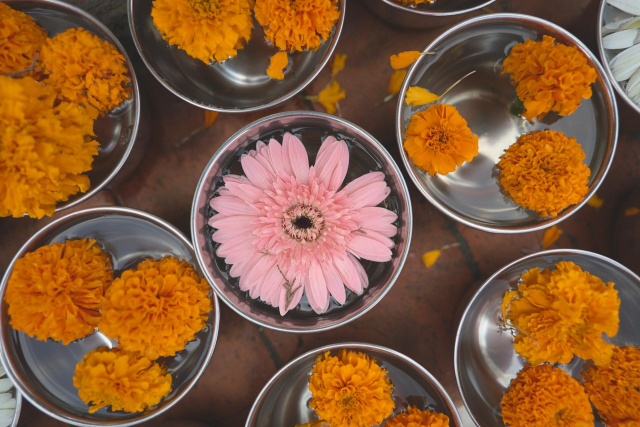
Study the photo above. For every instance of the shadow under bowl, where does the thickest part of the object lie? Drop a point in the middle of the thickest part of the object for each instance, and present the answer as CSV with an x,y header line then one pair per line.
x,y
606,15
472,195
366,154
424,15
284,401
237,85
117,130
43,370
485,361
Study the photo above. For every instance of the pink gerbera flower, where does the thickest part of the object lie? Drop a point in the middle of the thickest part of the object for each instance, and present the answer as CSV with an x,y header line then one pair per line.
x,y
286,229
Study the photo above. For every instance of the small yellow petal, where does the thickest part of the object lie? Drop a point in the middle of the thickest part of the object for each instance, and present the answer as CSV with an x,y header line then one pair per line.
x,y
550,236
210,117
404,59
330,96
420,96
632,211
431,257
396,80
595,201
278,62
338,64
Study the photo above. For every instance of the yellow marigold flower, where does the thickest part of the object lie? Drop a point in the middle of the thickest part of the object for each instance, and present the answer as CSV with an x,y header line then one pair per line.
x,y
396,80
297,25
544,396
86,70
44,148
632,211
55,291
330,96
614,389
278,62
414,417
124,380
338,64
549,77
350,390
543,171
595,201
206,30
157,308
550,236
20,39
562,313
438,140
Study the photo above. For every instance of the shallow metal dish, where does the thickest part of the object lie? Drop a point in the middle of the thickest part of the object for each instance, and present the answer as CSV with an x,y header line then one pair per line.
x,y
606,15
485,361
424,15
43,371
471,195
116,131
284,401
366,154
238,85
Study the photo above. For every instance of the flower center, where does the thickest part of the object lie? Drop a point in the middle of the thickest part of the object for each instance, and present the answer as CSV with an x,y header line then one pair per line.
x,y
349,402
303,223
439,138
204,8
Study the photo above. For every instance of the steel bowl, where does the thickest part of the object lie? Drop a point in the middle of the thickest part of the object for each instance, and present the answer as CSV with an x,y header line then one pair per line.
x,y
472,195
425,15
366,154
43,371
238,85
284,401
485,361
116,131
606,15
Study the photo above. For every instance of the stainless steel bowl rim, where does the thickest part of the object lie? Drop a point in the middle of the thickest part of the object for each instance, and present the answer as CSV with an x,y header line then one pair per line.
x,y
107,210
605,62
497,274
18,408
454,215
216,156
397,5
363,346
136,97
176,92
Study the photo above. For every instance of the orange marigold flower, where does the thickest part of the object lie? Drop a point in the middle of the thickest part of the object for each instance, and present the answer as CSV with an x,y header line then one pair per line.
x,y
544,396
44,148
206,30
414,417
297,25
543,171
157,308
549,76
20,39
562,313
124,380
55,291
350,390
86,70
614,389
438,140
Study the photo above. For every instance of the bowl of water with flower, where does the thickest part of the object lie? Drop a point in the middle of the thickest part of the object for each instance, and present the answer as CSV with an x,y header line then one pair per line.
x,y
301,221
106,318
550,337
235,55
353,384
506,123
70,107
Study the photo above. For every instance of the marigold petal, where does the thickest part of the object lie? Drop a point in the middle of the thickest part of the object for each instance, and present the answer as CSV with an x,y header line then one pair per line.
x,y
404,59
551,235
278,62
595,201
431,257
338,64
396,80
210,117
632,211
20,40
420,96
330,96
414,417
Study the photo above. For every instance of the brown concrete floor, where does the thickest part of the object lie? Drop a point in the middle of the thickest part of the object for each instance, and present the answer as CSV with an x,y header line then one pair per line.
x,y
246,356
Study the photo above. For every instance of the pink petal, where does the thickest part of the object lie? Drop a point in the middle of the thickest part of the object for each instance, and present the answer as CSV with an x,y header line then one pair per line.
x,y
364,247
231,223
262,267
362,181
296,154
222,236
328,141
387,230
332,164
231,205
251,263
374,215
371,234
257,174
362,273
272,282
318,286
238,268
369,195
275,155
334,283
242,188
239,243
348,272
299,290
